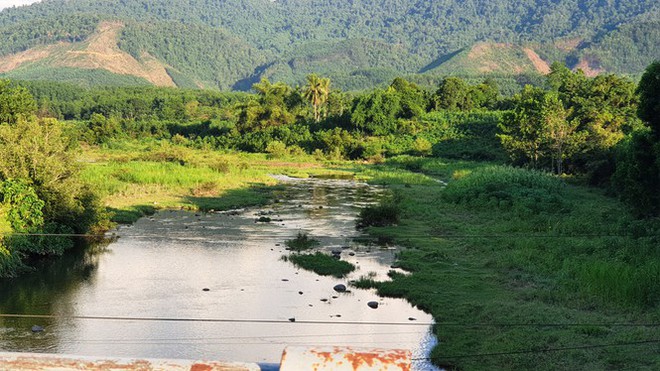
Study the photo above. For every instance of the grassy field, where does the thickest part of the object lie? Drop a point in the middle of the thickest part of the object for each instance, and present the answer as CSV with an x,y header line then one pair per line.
x,y
137,179
520,269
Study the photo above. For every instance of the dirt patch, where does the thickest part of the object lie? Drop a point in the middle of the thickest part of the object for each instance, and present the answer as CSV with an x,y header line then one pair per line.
x,y
480,50
568,45
99,51
540,65
13,61
590,66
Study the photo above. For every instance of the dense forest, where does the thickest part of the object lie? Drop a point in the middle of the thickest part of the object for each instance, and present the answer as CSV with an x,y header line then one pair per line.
x,y
233,44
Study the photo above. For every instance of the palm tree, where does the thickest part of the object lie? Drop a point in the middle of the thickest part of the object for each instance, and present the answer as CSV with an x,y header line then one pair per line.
x,y
317,91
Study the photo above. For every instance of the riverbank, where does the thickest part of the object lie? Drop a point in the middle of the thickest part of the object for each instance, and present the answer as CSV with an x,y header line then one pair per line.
x,y
523,271
137,179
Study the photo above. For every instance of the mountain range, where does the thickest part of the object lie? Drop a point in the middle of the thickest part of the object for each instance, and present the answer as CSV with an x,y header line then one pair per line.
x,y
231,44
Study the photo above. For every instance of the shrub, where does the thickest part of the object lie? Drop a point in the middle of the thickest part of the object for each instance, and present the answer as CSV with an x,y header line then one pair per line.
x,y
276,149
301,242
422,147
384,214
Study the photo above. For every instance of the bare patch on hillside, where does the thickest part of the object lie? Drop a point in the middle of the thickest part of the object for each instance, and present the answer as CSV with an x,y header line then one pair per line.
x,y
590,66
99,51
482,49
102,52
568,45
496,57
13,61
540,65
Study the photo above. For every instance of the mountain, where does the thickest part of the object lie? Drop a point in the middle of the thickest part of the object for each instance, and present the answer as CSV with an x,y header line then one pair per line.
x,y
230,44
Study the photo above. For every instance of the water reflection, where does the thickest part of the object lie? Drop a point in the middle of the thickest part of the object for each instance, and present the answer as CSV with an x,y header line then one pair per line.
x,y
217,266
49,289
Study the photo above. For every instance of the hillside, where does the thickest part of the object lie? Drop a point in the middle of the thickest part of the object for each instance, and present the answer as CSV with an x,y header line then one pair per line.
x,y
230,44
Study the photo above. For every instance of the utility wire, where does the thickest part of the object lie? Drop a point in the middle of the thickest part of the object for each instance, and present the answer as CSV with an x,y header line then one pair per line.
x,y
268,236
536,351
320,322
217,320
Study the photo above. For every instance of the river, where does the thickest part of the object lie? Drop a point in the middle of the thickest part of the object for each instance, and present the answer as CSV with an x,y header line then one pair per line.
x,y
219,280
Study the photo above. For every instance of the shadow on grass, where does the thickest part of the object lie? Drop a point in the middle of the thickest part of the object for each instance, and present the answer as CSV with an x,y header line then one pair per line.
x,y
256,194
131,214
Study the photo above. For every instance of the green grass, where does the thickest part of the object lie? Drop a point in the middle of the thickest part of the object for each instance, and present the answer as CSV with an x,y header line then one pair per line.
x,y
136,179
302,242
322,264
483,266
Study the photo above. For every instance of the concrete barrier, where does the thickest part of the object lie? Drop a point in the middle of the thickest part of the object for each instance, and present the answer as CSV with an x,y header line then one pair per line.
x,y
345,359
293,359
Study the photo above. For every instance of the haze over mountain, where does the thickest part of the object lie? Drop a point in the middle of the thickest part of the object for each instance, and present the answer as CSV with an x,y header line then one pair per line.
x,y
230,44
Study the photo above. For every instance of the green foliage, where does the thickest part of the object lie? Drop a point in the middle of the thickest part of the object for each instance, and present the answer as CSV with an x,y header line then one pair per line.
x,y
465,135
63,27
385,213
322,264
21,206
85,78
637,176
649,98
211,57
302,242
454,93
508,188
377,112
38,152
489,263
15,103
276,149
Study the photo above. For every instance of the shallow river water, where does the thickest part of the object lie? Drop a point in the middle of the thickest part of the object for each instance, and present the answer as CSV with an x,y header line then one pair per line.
x,y
160,266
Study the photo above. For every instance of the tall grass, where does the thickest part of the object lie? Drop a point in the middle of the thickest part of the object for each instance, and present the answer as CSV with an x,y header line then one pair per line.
x,y
621,283
507,188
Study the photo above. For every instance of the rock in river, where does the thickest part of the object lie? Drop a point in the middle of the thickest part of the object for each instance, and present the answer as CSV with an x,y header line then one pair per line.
x,y
373,304
340,288
37,328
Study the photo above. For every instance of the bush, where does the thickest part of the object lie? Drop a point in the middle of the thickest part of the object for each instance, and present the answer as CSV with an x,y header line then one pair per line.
x,y
301,242
276,149
384,214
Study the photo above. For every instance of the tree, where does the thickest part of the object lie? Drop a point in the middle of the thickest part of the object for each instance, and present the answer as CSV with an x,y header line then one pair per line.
x,y
563,138
649,98
452,94
316,92
413,99
539,132
377,112
15,102
271,108
524,131
637,176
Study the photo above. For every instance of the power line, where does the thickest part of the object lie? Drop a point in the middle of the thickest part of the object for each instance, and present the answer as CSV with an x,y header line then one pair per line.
x,y
534,351
276,321
217,320
359,237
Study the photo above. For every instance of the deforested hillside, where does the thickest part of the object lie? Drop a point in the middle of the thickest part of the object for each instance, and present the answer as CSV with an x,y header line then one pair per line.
x,y
231,44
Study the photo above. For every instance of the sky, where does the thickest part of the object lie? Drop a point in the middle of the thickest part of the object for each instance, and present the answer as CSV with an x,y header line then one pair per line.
x,y
10,3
